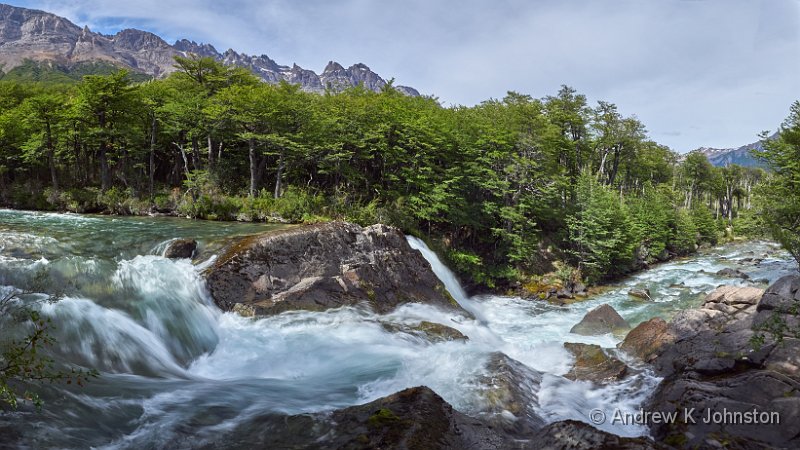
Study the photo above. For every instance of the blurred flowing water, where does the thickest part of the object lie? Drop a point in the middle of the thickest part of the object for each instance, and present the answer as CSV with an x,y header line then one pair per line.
x,y
172,364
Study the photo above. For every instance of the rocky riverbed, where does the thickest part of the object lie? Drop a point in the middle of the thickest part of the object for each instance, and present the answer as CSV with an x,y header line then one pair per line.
x,y
338,336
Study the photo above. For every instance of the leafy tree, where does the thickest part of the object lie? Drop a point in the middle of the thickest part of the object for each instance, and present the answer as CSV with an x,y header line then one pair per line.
x,y
781,193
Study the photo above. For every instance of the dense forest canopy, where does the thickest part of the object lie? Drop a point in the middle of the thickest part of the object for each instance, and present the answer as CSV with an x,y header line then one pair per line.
x,y
507,190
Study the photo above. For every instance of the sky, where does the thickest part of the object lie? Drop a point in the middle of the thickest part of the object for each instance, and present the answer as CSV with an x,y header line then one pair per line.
x,y
697,73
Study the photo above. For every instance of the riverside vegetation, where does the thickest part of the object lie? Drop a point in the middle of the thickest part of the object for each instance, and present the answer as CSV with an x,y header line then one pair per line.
x,y
519,192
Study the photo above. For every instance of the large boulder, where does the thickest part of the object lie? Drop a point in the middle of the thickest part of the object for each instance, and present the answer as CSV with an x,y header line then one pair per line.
x,y
322,266
724,367
510,392
415,419
601,320
181,248
647,340
592,363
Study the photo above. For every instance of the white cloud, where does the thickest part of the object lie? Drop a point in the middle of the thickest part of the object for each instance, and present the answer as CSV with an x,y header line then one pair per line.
x,y
697,72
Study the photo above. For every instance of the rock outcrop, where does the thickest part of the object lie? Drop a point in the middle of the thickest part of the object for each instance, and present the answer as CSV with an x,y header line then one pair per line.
x,y
323,266
27,34
574,435
739,378
647,340
181,248
592,363
601,320
510,396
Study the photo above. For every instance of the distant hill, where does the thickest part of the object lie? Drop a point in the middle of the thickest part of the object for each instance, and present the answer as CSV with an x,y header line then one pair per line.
x,y
40,46
742,156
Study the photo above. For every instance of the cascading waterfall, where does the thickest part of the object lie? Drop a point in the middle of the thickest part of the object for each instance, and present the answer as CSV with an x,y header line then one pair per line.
x,y
173,365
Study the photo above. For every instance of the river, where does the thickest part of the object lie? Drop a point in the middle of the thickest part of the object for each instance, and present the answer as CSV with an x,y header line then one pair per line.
x,y
172,364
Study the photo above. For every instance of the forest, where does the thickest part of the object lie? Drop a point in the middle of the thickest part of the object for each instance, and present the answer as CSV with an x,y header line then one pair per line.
x,y
510,191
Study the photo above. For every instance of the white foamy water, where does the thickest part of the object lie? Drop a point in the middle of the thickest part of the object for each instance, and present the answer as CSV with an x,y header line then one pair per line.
x,y
172,364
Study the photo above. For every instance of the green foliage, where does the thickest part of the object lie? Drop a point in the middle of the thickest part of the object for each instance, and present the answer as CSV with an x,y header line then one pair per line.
x,y
707,229
24,361
510,185
52,73
685,240
781,202
600,232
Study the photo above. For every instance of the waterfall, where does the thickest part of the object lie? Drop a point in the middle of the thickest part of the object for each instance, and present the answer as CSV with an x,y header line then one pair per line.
x,y
447,277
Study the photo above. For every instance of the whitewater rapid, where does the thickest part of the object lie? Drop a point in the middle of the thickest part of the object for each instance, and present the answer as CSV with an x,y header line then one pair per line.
x,y
172,363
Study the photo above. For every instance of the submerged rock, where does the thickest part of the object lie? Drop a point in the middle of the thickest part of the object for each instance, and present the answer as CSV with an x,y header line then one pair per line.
x,y
601,320
322,266
181,248
593,364
431,331
733,273
643,294
722,362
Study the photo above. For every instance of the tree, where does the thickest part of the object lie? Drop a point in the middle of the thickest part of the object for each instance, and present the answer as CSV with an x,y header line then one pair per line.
x,y
781,193
104,102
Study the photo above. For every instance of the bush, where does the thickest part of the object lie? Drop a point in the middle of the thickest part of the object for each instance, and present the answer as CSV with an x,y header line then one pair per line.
x,y
685,239
707,229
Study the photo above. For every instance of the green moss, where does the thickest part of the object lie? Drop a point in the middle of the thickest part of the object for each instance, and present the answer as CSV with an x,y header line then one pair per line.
x,y
383,417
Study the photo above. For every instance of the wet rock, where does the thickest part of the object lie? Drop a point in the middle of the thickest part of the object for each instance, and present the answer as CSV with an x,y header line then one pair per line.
x,y
733,273
718,364
564,293
647,340
510,392
430,331
601,320
181,248
593,364
574,435
640,293
415,418
322,266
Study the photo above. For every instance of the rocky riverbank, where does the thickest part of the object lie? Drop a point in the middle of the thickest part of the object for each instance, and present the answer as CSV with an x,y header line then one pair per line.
x,y
737,352
731,368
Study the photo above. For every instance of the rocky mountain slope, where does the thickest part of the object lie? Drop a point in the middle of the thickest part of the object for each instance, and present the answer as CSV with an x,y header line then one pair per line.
x,y
742,156
31,35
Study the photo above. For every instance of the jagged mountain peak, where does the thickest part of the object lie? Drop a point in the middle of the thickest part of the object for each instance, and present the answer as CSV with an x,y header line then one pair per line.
x,y
27,34
333,66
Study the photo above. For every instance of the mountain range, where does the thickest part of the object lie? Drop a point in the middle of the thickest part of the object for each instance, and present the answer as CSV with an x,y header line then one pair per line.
x,y
30,36
742,156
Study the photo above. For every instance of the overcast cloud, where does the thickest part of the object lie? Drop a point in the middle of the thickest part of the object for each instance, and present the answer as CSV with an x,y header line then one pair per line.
x,y
696,72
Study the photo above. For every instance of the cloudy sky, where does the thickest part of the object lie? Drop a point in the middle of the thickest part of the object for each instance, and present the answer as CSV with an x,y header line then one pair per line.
x,y
696,72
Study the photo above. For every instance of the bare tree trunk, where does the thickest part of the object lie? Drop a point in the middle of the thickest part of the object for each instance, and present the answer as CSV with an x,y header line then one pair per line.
x,y
152,165
253,169
210,154
281,166
51,157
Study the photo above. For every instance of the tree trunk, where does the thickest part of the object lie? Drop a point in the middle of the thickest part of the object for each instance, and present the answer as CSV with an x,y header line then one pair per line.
x,y
253,166
152,165
51,157
195,153
104,176
281,166
210,154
